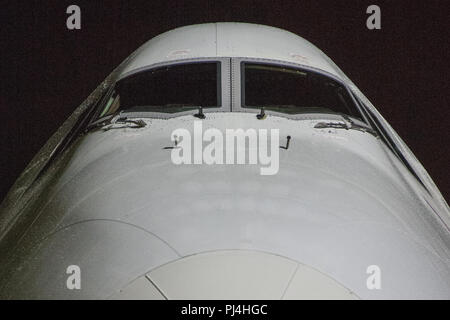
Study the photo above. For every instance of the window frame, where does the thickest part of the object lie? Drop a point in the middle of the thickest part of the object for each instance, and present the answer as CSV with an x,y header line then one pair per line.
x,y
84,119
238,83
389,143
223,89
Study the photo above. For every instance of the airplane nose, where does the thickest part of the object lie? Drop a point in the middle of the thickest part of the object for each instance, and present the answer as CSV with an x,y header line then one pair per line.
x,y
234,274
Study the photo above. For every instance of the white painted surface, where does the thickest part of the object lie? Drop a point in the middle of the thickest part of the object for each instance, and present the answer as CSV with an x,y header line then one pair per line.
x,y
337,205
309,284
139,289
242,274
225,275
228,40
109,254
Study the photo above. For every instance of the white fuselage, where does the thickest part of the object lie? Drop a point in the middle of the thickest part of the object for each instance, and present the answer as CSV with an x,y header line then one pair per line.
x,y
139,225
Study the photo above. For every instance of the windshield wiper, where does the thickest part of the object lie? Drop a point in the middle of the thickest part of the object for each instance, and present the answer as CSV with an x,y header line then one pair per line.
x,y
347,124
116,118
126,121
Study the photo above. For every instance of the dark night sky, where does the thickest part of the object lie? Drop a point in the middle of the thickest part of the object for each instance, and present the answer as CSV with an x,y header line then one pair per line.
x,y
47,70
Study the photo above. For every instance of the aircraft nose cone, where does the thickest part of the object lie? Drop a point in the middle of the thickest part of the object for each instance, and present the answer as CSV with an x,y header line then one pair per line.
x,y
235,274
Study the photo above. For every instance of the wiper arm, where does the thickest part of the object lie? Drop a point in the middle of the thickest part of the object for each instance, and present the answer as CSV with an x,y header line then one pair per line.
x,y
347,124
358,127
137,124
99,124
124,120
335,125
116,118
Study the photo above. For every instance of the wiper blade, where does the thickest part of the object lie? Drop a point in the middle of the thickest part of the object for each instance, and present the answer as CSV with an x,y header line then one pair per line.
x,y
355,126
347,124
116,118
336,125
99,124
124,120
96,125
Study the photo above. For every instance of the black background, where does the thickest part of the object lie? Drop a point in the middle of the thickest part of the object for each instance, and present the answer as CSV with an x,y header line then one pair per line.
x,y
48,70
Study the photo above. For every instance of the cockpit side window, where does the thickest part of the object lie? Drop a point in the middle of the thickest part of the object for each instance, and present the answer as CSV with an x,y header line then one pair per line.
x,y
168,89
112,105
376,124
293,91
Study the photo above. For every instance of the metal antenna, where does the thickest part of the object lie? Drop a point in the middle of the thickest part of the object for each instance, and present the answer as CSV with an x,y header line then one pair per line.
x,y
288,139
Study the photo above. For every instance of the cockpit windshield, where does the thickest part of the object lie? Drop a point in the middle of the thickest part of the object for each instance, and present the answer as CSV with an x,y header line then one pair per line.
x,y
187,86
168,89
293,91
